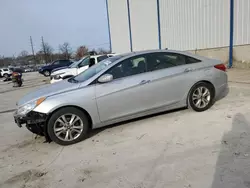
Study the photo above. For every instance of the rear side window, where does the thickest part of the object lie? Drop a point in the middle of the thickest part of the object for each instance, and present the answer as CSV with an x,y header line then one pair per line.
x,y
157,61
65,62
190,60
100,58
5,69
91,62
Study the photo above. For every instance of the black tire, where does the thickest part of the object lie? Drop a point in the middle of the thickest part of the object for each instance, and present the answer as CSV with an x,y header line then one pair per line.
x,y
64,111
191,102
6,75
46,73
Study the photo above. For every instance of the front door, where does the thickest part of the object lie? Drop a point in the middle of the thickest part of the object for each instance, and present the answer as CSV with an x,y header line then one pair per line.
x,y
128,93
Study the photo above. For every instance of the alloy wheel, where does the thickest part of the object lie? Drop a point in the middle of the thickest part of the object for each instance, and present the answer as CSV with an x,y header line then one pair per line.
x,y
201,97
68,127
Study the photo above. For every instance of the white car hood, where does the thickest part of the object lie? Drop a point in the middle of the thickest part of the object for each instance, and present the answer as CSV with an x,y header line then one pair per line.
x,y
66,71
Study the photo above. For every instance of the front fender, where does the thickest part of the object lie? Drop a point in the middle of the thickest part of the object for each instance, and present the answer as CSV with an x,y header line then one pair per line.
x,y
83,98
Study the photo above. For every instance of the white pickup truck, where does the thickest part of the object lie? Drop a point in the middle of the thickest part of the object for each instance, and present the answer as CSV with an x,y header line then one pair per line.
x,y
76,67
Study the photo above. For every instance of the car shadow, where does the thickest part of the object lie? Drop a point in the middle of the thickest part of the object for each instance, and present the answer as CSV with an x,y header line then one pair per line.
x,y
233,163
94,132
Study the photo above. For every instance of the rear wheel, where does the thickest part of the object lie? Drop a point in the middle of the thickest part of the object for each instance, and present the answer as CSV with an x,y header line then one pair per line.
x,y
67,126
46,73
201,97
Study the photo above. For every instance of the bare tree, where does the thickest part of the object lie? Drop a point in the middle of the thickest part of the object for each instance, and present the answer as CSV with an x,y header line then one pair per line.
x,y
103,51
66,50
47,51
81,51
23,53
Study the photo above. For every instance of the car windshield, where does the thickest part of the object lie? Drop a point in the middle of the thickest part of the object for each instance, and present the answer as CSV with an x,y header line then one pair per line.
x,y
87,74
75,64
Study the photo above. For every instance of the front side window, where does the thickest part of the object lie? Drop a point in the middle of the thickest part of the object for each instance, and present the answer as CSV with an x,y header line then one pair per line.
x,y
85,62
56,63
64,62
92,71
129,67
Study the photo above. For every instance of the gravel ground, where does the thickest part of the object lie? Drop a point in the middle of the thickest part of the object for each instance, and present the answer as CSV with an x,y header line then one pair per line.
x,y
182,149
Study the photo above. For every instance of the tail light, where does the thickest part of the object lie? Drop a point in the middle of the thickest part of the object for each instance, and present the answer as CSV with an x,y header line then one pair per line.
x,y
221,67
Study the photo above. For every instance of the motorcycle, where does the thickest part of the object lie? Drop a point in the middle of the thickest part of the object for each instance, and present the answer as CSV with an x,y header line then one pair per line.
x,y
17,79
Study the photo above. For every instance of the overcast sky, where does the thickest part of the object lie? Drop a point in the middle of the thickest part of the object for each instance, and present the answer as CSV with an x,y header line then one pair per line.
x,y
79,22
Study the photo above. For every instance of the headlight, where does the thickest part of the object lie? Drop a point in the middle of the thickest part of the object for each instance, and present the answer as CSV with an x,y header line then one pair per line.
x,y
58,76
23,110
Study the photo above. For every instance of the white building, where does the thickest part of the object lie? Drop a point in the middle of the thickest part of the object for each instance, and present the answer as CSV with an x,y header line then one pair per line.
x,y
178,24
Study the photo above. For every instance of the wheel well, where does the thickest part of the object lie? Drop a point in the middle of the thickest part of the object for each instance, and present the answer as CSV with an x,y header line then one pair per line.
x,y
202,81
79,108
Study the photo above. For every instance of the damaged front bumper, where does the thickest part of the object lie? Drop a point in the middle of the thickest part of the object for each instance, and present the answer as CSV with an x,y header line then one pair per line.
x,y
34,122
31,118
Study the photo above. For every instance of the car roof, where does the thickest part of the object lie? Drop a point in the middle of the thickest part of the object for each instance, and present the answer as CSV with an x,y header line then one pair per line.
x,y
98,55
131,54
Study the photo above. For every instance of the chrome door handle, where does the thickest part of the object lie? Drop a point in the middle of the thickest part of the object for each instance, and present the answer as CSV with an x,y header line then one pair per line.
x,y
144,82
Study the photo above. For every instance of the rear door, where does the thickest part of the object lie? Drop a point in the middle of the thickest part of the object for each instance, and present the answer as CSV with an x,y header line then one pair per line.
x,y
170,76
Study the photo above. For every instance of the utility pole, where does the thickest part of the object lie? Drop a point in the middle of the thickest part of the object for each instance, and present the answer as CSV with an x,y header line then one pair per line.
x,y
32,48
44,51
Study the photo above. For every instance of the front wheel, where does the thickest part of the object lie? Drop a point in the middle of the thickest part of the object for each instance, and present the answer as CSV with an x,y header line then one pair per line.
x,y
6,76
46,73
67,126
201,97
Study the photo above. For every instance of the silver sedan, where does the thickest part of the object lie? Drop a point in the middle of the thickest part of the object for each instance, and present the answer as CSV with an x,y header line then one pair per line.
x,y
120,88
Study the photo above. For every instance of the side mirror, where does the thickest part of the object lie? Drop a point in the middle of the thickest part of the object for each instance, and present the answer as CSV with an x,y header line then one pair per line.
x,y
105,78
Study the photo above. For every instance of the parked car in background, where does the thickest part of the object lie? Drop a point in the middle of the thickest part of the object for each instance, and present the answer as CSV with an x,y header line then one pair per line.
x,y
77,67
18,69
46,70
5,72
120,88
28,70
